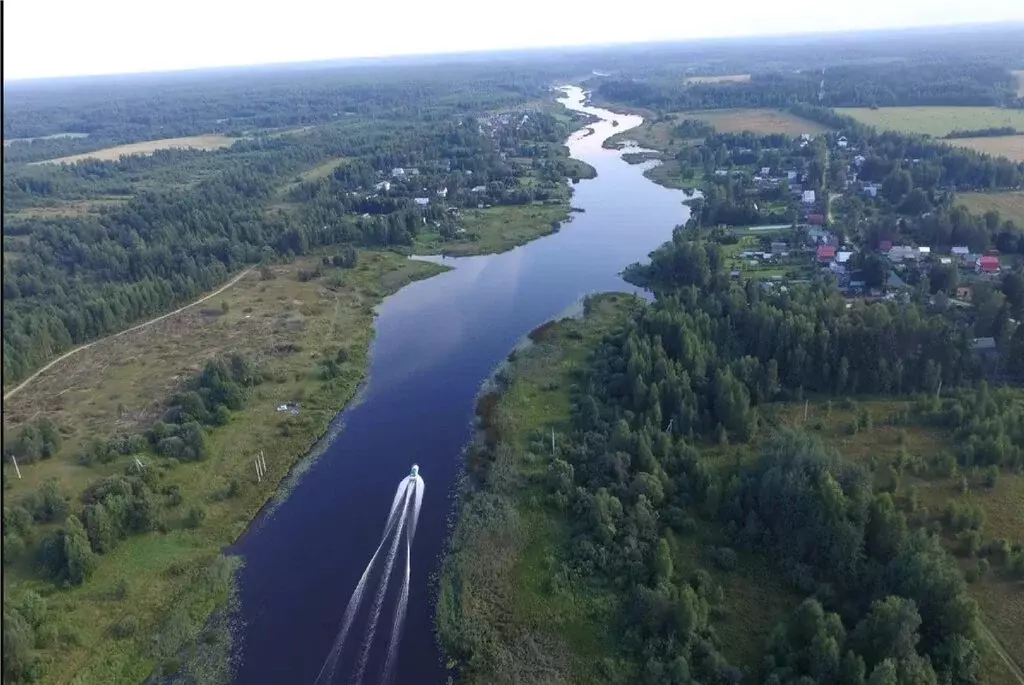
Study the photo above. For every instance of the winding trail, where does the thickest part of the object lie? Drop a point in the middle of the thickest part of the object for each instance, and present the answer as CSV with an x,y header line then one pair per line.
x,y
9,394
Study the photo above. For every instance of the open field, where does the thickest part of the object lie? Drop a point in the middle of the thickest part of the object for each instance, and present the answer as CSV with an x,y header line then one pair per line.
x,y
494,229
148,147
159,579
67,208
762,121
313,174
1010,205
1011,147
936,121
729,78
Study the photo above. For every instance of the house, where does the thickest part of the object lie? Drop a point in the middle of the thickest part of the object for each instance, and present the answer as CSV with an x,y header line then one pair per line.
x,y
924,251
836,268
806,137
442,193
478,189
988,264
413,171
842,142
843,257
816,219
807,197
778,247
421,201
859,159
383,185
959,251
826,253
945,260
734,274
766,170
984,347
899,253
721,172
397,172
816,235
871,189
964,292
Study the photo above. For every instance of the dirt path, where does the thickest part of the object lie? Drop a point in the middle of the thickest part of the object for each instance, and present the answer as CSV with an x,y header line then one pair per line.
x,y
1011,664
204,298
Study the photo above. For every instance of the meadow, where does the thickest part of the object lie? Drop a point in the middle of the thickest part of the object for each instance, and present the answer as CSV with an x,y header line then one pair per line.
x,y
148,147
1010,205
149,598
494,229
936,121
1011,147
728,78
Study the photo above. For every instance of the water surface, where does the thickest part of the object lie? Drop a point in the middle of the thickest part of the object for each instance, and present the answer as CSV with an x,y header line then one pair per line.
x,y
436,342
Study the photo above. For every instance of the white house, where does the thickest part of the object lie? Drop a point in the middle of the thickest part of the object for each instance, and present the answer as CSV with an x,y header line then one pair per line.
x,y
924,251
443,192
843,257
842,142
478,189
859,159
790,175
766,170
871,189
383,185
721,172
807,197
421,201
397,172
960,251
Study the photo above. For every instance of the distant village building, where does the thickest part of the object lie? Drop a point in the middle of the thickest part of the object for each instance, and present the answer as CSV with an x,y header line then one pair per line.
x,y
842,142
397,172
383,185
778,247
790,175
843,257
807,197
959,251
443,192
826,253
900,253
988,264
421,201
816,219
964,292
871,189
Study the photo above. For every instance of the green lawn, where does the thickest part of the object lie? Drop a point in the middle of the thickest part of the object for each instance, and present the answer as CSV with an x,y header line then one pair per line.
x,y
494,229
1010,204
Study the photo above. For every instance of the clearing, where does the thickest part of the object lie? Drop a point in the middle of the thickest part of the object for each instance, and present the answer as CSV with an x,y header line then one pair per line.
x,y
729,78
148,147
1010,205
288,319
1011,147
763,121
936,121
68,208
495,229
52,136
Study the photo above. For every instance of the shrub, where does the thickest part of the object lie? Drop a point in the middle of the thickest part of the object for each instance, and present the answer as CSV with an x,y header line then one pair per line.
x,y
991,476
126,627
195,517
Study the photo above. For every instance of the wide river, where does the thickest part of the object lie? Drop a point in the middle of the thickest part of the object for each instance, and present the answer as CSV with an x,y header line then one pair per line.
x,y
436,342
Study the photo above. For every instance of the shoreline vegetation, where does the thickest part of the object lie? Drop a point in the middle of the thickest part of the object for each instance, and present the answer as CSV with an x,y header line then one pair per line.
x,y
159,604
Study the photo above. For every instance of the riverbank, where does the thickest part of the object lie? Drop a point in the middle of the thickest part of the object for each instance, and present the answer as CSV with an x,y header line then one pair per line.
x,y
148,598
505,614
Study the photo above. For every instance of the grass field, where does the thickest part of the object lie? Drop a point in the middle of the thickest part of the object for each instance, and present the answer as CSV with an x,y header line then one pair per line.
x,y
936,121
1011,147
168,583
67,208
148,147
730,78
1010,205
762,121
494,229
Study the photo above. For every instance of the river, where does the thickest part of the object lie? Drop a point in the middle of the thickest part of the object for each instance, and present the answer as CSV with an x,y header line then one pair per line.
x,y
436,342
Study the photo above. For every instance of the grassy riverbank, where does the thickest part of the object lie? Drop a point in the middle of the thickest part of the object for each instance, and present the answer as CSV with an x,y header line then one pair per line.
x,y
148,598
507,611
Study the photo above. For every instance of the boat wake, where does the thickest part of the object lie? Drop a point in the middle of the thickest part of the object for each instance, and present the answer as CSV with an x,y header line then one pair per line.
x,y
348,663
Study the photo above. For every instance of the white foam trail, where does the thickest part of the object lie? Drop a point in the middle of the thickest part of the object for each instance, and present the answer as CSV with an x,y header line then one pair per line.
x,y
371,626
403,597
330,664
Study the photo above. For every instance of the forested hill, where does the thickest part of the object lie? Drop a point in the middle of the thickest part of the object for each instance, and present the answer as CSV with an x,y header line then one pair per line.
x,y
835,86
176,223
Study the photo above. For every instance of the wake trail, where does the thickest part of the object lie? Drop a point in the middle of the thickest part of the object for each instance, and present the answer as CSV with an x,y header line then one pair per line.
x,y
331,663
378,602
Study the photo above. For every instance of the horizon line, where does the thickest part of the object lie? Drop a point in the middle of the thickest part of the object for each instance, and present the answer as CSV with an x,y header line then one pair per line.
x,y
356,60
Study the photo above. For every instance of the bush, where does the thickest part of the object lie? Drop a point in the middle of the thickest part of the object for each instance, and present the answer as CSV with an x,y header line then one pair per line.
x,y
196,516
126,627
47,504
991,476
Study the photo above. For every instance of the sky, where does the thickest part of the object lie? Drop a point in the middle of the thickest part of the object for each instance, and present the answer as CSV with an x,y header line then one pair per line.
x,y
45,38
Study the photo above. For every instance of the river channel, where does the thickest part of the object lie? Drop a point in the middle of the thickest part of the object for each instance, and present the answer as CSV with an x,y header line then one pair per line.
x,y
436,342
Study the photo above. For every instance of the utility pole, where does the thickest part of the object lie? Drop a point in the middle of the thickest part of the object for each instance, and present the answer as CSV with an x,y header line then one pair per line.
x,y
16,469
806,405
552,442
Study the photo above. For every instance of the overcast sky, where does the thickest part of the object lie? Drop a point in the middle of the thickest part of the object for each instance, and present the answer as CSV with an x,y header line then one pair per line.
x,y
44,38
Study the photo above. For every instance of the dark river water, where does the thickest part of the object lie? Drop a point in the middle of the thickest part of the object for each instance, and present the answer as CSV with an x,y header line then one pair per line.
x,y
436,342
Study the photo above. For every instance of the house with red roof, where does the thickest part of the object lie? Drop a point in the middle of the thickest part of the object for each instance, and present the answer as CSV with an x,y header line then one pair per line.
x,y
816,219
988,264
826,253
884,245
